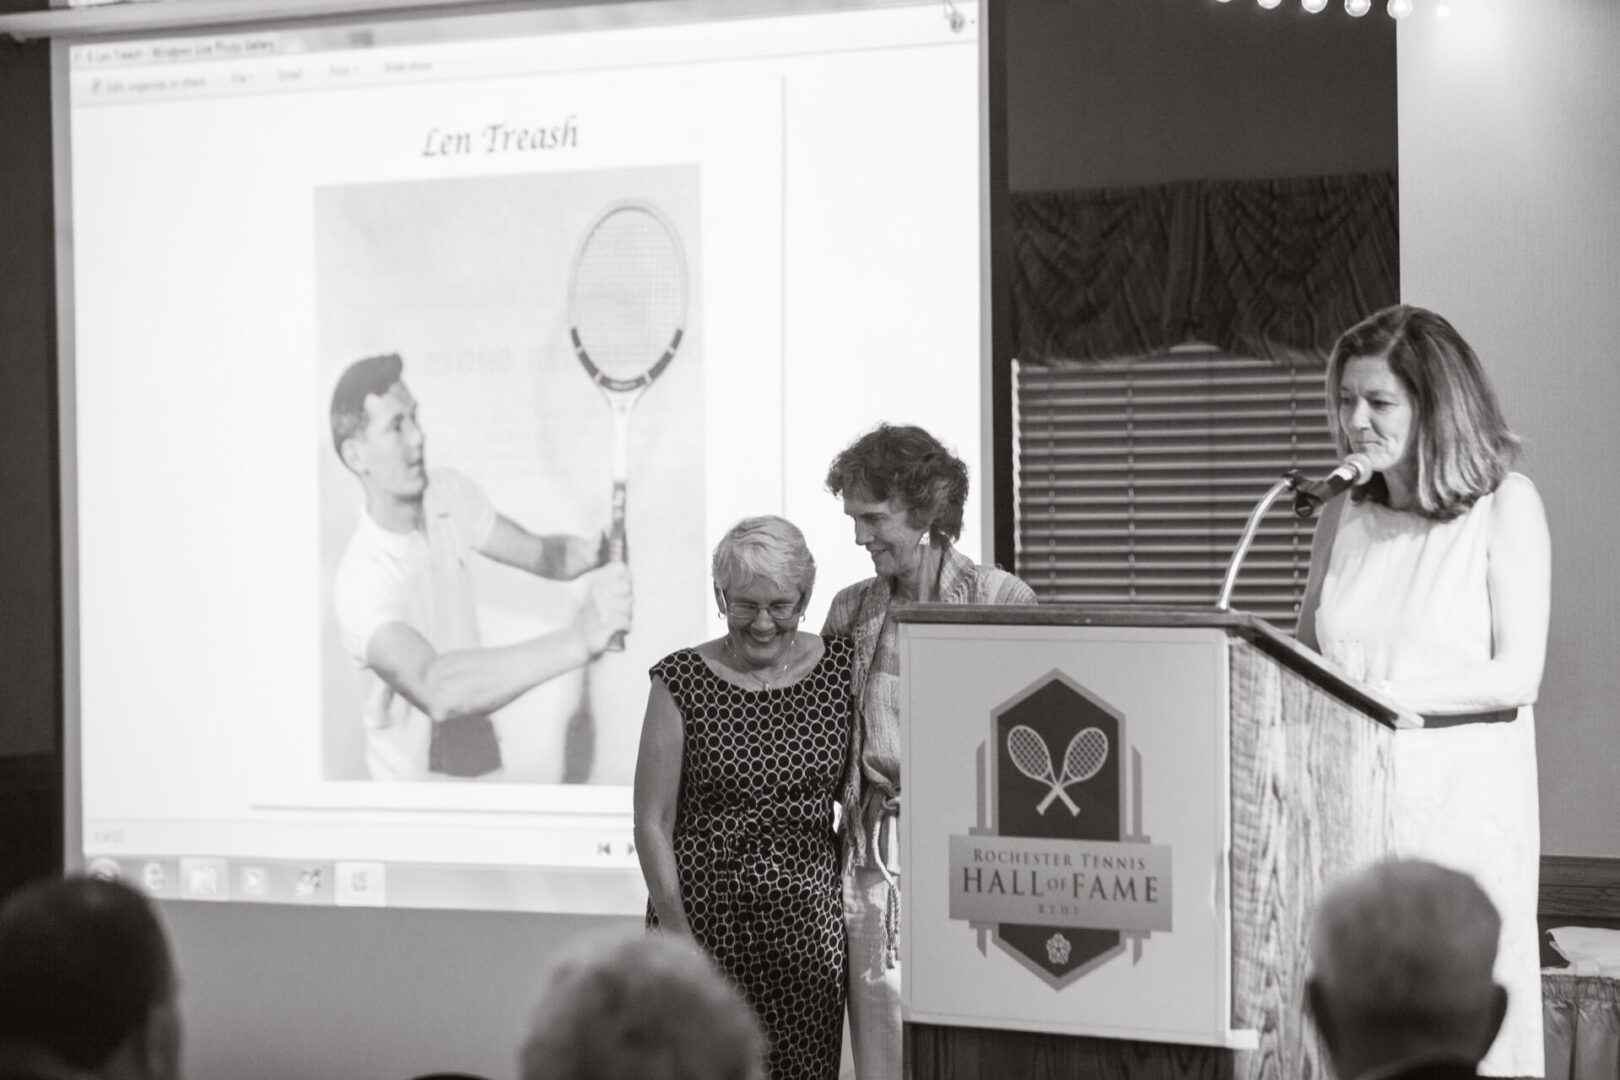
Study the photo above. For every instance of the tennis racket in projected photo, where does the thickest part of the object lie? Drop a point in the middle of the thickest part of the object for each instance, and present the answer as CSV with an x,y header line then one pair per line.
x,y
627,302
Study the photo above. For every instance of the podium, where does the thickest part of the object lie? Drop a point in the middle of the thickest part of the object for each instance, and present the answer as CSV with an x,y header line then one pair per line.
x,y
1117,822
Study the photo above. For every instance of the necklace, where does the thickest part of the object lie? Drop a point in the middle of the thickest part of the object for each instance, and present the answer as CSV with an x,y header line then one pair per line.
x,y
771,673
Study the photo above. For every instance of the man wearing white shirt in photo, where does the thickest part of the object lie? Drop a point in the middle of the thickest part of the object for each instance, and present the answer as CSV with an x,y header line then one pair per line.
x,y
404,600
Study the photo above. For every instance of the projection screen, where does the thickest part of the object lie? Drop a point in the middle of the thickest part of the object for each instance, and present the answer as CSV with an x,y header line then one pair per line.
x,y
248,211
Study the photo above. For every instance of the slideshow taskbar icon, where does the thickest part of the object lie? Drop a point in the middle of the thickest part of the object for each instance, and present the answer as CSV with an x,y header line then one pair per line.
x,y
274,881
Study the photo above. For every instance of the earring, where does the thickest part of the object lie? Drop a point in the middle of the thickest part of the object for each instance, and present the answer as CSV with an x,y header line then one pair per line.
x,y
801,616
924,540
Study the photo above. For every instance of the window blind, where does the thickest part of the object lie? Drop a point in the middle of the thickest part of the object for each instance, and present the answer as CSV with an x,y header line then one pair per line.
x,y
1135,478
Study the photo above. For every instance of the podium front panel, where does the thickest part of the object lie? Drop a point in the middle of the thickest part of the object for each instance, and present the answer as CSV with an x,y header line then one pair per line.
x,y
1065,830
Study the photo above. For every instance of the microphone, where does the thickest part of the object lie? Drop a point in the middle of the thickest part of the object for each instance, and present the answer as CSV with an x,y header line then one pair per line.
x,y
1308,495
1353,470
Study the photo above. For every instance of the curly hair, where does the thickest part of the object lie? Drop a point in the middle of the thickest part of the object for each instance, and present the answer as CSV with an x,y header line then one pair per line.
x,y
1463,445
910,466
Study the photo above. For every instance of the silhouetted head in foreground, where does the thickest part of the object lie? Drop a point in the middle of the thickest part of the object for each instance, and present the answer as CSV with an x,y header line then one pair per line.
x,y
86,983
1402,954
646,1007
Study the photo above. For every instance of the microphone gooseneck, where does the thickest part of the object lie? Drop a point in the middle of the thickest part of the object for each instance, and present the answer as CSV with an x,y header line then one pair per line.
x,y
1308,495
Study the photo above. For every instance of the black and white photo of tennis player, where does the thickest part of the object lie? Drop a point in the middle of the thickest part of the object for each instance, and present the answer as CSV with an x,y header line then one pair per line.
x,y
403,595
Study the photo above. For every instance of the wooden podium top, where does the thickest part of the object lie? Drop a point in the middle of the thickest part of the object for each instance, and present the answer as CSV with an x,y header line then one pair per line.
x,y
1267,638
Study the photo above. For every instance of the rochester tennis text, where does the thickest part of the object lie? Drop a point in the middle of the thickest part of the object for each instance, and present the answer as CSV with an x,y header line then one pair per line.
x,y
1058,858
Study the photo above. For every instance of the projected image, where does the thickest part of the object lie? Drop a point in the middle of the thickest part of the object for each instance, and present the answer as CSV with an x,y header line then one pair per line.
x,y
512,415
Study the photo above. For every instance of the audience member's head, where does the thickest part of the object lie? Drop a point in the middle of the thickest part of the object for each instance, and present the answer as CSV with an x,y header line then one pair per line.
x,y
86,981
646,1007
1402,953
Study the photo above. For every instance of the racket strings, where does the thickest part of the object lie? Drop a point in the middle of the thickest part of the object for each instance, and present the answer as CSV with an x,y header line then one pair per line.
x,y
1029,753
1085,756
629,293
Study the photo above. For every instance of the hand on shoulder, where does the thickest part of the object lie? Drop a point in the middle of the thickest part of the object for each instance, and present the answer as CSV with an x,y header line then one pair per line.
x,y
845,608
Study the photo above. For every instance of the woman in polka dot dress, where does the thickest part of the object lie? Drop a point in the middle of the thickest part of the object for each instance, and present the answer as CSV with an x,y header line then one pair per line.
x,y
742,751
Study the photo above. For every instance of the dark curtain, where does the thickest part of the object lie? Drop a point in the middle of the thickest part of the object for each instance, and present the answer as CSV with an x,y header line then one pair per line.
x,y
1270,268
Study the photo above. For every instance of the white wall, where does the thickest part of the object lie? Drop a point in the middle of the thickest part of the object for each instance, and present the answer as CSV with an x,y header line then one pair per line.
x,y
1510,227
382,994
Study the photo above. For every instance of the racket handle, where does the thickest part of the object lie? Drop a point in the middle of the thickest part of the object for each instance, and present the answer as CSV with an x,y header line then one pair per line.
x,y
618,550
1057,792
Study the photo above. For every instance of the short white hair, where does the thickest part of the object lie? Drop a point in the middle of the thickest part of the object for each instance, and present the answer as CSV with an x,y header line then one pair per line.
x,y
766,547
645,1006
1407,946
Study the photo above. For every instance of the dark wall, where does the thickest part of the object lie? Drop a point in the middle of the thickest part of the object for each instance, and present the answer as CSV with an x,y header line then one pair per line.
x,y
1105,93
30,609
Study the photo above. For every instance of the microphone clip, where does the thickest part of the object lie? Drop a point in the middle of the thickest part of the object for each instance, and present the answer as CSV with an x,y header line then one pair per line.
x,y
1308,494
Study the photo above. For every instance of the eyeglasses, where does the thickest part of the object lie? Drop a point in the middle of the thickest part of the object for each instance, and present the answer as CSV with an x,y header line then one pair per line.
x,y
748,611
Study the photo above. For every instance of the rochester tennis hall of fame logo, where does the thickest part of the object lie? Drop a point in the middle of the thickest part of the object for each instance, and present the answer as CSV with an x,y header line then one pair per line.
x,y
1050,873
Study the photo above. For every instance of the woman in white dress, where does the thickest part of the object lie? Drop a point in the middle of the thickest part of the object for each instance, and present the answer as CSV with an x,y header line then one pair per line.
x,y
1431,582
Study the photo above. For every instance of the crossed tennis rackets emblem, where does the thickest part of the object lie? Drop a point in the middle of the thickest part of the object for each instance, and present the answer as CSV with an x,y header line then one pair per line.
x,y
1084,758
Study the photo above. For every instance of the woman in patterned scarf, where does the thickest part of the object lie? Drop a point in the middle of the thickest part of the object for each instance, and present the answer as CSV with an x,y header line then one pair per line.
x,y
905,493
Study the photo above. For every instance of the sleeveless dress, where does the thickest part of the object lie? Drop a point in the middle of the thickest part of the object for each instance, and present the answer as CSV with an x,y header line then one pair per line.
x,y
1406,597
754,846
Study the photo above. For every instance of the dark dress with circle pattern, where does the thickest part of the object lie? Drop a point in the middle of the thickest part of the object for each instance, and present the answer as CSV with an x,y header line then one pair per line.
x,y
754,846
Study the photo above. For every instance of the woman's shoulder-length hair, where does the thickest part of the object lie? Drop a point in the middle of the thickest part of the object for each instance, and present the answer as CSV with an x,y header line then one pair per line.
x,y
1463,445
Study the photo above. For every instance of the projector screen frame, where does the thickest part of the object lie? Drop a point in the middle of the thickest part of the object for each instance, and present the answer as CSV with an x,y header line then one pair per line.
x,y
134,18
188,17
